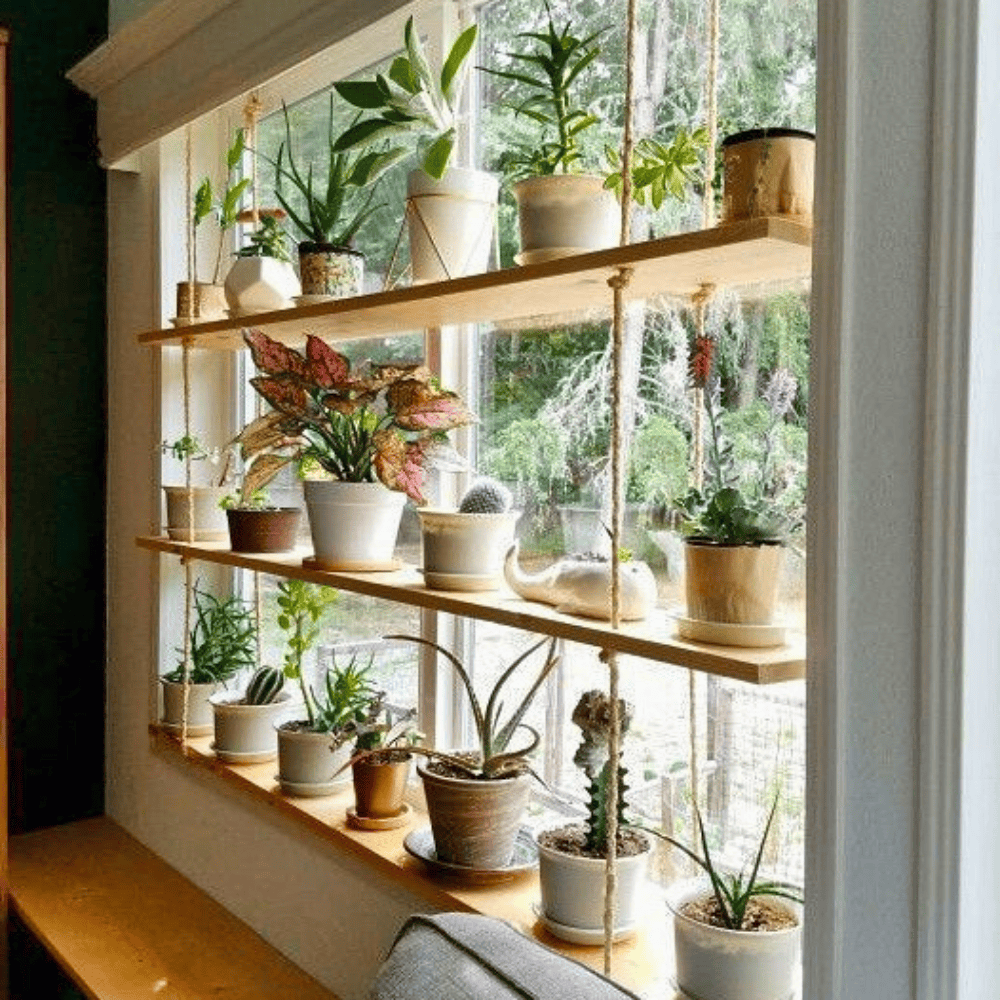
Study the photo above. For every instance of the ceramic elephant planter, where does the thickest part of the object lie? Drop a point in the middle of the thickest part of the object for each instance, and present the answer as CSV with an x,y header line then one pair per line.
x,y
581,585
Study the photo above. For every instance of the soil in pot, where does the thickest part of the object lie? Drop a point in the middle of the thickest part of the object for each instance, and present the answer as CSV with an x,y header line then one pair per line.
x,y
572,840
761,914
263,530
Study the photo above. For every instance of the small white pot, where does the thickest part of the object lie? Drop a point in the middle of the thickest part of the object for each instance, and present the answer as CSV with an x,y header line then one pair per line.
x,y
308,758
451,223
573,889
245,730
209,519
565,214
353,525
199,714
260,284
718,964
465,551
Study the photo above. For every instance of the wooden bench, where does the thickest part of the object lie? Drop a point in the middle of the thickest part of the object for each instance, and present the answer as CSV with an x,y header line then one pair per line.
x,y
123,924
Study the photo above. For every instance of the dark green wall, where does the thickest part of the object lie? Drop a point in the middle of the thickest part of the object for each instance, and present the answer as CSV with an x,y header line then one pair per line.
x,y
56,418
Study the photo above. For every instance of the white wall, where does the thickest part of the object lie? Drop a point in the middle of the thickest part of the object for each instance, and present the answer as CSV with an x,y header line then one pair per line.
x,y
120,11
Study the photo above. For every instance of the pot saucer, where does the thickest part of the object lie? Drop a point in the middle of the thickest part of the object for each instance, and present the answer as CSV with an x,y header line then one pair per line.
x,y
255,757
311,300
311,562
730,633
528,257
311,789
420,843
402,818
582,935
460,581
175,727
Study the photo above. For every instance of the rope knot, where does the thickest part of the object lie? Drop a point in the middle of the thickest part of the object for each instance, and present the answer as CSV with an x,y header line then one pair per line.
x,y
622,278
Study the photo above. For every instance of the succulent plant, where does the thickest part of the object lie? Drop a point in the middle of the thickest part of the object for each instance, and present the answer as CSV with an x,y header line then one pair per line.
x,y
264,686
223,640
486,496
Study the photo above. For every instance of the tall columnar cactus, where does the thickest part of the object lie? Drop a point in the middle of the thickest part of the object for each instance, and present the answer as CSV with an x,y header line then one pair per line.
x,y
486,496
598,813
264,686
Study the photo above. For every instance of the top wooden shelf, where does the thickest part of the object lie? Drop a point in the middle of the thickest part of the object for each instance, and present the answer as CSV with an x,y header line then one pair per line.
x,y
740,254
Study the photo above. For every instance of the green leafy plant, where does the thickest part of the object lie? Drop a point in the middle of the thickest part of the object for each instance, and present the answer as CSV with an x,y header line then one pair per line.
x,y
301,607
733,892
334,210
659,169
549,74
381,739
223,640
191,447
493,758
412,100
267,240
344,699
379,422
226,207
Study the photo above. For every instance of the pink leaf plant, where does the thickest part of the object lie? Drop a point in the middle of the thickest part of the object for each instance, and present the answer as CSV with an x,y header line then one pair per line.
x,y
377,423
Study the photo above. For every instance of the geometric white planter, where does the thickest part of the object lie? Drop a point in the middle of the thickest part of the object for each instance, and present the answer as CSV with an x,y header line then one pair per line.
x,y
573,890
308,758
199,713
718,964
465,551
246,731
353,525
260,284
209,519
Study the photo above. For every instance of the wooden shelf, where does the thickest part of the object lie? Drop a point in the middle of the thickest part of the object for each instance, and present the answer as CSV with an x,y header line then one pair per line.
x,y
642,964
652,639
757,251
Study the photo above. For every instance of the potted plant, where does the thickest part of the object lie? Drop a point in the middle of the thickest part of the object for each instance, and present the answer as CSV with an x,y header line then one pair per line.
x,y
262,277
475,799
380,766
463,549
451,210
735,935
223,642
331,211
208,301
572,859
244,725
312,750
195,514
255,525
370,431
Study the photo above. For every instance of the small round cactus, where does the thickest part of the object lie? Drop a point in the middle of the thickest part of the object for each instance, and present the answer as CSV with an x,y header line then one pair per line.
x,y
264,686
486,496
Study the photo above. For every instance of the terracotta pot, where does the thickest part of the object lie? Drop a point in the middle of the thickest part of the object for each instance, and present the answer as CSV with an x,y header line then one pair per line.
x,y
475,821
379,788
768,171
732,583
465,551
718,964
263,530
331,271
353,525
208,521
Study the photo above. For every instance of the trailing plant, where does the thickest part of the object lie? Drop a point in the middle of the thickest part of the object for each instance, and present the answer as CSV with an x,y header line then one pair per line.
x,y
413,100
493,759
549,74
189,446
267,240
223,640
226,207
257,500
264,687
335,210
733,892
301,606
379,423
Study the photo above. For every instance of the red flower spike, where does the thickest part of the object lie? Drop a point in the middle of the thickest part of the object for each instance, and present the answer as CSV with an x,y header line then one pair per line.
x,y
701,361
273,358
327,367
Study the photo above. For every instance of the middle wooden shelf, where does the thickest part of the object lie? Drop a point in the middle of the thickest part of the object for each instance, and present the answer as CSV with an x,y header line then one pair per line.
x,y
652,639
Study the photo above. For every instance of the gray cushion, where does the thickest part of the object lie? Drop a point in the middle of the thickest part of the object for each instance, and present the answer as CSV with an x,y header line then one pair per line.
x,y
461,956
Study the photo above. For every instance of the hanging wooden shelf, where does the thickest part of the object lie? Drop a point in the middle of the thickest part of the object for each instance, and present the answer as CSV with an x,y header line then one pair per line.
x,y
652,639
755,252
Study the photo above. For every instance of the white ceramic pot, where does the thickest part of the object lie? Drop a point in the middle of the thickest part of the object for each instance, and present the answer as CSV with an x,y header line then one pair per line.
x,y
353,525
565,214
768,171
199,714
260,284
465,551
573,889
209,519
718,964
732,583
451,223
308,758
246,730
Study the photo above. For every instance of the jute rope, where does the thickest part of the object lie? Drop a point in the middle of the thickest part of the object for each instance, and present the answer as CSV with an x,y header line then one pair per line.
x,y
619,283
188,569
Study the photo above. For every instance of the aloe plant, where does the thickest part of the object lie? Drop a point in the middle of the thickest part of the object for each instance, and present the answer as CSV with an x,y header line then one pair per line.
x,y
223,640
343,700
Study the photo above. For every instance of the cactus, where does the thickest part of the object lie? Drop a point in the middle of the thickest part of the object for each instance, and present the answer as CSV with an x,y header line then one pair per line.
x,y
486,496
597,807
264,686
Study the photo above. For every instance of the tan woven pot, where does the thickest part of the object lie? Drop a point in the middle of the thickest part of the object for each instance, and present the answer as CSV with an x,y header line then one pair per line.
x,y
768,172
732,583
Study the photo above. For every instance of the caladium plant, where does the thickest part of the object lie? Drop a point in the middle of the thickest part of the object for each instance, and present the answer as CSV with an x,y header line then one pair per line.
x,y
375,424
